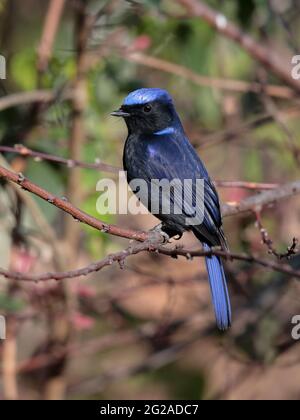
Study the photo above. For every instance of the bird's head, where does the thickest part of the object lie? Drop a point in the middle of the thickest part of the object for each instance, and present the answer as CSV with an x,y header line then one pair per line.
x,y
148,111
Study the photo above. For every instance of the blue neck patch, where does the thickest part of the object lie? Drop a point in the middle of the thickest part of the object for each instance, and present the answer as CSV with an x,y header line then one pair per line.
x,y
165,131
144,96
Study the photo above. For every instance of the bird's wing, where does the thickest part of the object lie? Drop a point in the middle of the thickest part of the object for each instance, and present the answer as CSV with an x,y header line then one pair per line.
x,y
172,158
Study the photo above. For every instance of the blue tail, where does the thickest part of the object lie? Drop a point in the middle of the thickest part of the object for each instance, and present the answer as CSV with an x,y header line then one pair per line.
x,y
219,291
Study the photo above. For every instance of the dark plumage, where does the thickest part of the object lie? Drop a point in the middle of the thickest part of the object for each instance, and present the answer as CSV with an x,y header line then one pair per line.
x,y
157,148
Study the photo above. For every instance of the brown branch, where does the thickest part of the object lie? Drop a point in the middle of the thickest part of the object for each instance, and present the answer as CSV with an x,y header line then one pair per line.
x,y
40,220
92,268
67,207
150,246
237,132
24,98
291,250
217,83
282,268
291,139
243,184
258,201
52,20
24,151
77,133
268,58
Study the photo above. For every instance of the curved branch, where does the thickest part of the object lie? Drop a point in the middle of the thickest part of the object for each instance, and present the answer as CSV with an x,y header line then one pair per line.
x,y
149,246
217,83
53,17
258,51
258,201
91,268
282,268
67,207
24,151
24,98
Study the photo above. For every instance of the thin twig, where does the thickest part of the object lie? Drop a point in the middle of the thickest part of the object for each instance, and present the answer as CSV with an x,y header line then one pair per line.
x,y
244,184
150,246
237,132
104,167
26,98
64,205
177,251
24,151
53,17
291,250
265,199
216,83
259,52
92,268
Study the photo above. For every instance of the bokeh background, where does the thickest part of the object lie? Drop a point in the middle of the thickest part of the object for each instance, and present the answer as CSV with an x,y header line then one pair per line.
x,y
145,330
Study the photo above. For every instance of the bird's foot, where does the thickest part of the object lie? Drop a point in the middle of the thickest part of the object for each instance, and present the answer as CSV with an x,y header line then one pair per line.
x,y
158,230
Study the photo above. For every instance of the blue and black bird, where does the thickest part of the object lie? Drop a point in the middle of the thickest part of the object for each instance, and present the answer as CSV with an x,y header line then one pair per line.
x,y
157,148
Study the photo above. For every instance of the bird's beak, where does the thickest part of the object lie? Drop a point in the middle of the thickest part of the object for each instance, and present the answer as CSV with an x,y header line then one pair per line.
x,y
120,113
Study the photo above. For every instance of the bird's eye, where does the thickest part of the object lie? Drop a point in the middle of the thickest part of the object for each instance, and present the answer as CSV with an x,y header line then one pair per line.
x,y
147,108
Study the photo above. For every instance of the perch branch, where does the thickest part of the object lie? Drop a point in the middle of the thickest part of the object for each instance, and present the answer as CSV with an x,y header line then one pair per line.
x,y
64,205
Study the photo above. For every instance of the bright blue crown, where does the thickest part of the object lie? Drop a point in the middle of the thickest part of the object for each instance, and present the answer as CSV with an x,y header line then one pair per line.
x,y
143,96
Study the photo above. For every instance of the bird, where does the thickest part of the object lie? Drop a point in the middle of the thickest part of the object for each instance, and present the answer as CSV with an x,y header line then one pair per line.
x,y
157,148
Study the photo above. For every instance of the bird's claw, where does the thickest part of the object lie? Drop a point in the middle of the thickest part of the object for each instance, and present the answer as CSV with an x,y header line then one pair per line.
x,y
178,236
166,237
